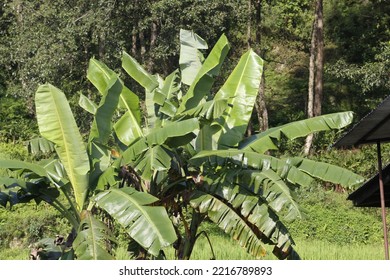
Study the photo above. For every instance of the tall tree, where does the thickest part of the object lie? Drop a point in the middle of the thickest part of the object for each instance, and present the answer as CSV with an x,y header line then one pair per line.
x,y
316,68
254,40
319,64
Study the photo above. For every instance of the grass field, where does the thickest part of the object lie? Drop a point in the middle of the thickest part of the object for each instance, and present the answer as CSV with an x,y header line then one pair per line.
x,y
226,249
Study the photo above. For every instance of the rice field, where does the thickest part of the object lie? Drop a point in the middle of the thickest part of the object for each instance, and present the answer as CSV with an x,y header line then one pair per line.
x,y
226,249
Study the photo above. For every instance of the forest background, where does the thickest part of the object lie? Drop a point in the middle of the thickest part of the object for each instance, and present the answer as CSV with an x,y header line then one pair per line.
x,y
320,57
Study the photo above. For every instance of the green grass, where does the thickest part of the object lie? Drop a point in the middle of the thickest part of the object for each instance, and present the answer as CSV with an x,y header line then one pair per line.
x,y
226,249
14,254
323,250
308,249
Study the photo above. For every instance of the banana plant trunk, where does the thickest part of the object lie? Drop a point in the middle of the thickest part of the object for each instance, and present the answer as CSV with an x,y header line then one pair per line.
x,y
189,241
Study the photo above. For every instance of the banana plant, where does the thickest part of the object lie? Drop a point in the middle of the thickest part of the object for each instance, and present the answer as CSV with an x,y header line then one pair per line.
x,y
187,162
69,181
223,176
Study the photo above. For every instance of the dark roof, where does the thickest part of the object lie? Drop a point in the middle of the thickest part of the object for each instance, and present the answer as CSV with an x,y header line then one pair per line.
x,y
368,194
374,127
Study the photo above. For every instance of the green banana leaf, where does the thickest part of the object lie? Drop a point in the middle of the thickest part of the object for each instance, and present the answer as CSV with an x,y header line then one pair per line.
x,y
296,170
172,133
328,172
127,127
148,225
57,124
283,167
138,73
100,161
55,170
102,124
14,191
190,59
155,159
204,80
87,104
108,179
169,91
204,140
149,82
40,145
241,89
273,189
268,140
22,165
209,110
101,130
245,219
91,237
160,135
151,111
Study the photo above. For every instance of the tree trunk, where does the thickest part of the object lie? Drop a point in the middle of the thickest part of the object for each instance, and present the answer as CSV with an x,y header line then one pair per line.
x,y
153,39
318,93
261,109
260,105
141,37
190,239
310,95
315,86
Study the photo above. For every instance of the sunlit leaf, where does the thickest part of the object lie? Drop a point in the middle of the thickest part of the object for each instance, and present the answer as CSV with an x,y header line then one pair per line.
x,y
57,124
149,225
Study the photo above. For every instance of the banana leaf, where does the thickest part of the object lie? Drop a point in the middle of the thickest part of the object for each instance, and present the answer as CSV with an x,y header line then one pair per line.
x,y
273,189
14,191
158,136
296,170
268,140
138,73
209,110
57,124
87,104
148,225
169,91
109,178
204,80
284,167
190,59
22,165
240,89
55,170
92,235
151,110
40,145
102,124
127,127
328,172
155,159
246,219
